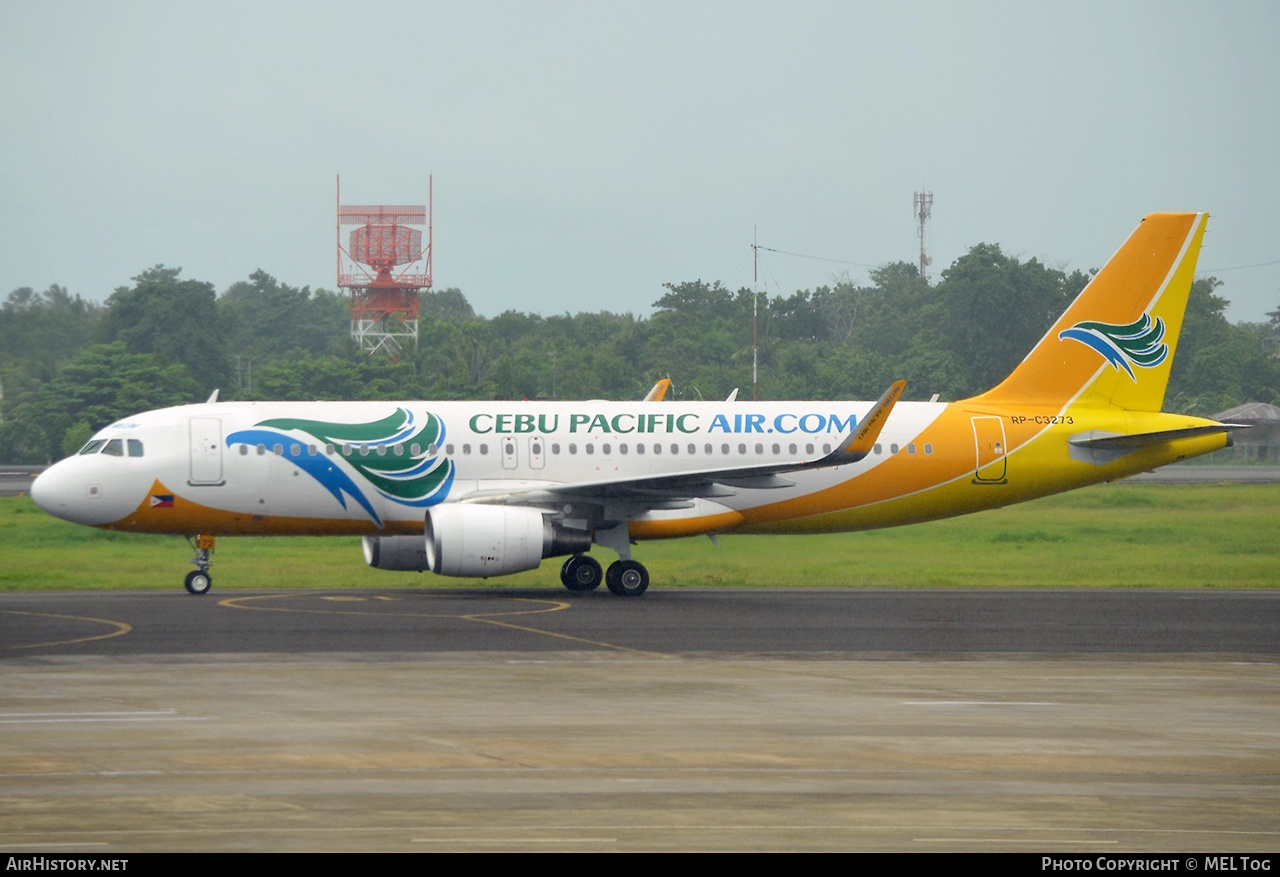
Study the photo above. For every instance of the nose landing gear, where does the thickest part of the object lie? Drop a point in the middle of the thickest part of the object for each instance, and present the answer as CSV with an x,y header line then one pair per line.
x,y
198,581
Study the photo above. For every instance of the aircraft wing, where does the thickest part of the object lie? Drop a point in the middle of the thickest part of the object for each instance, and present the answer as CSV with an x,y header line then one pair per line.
x,y
662,490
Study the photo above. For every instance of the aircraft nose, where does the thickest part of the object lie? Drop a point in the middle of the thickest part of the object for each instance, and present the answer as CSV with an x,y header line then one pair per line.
x,y
49,491
76,491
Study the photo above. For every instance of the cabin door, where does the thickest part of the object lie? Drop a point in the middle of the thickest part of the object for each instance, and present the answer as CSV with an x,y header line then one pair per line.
x,y
992,464
206,450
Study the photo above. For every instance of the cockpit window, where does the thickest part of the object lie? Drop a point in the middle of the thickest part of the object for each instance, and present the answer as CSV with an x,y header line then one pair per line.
x,y
114,448
93,447
135,448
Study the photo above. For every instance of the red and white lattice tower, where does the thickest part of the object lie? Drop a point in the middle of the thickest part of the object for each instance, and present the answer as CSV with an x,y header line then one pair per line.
x,y
384,267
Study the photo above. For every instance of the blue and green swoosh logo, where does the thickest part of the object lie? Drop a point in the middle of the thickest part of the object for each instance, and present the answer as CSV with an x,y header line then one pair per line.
x,y
1138,343
380,453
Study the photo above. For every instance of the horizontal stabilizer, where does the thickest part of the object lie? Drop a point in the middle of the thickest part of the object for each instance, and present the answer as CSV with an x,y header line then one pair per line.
x,y
1099,447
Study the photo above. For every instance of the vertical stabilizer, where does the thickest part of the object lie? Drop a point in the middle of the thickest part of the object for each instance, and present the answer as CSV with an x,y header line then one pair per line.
x,y
1115,344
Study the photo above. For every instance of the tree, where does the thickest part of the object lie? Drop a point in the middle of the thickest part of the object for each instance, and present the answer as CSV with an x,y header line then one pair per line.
x,y
997,308
263,319
100,385
176,320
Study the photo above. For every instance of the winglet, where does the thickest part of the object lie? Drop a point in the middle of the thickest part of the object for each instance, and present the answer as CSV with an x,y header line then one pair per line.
x,y
659,390
863,438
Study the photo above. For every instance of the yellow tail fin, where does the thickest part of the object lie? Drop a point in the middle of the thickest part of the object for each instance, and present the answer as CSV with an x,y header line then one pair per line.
x,y
1115,344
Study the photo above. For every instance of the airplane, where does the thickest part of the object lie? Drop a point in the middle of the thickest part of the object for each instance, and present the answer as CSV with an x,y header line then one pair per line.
x,y
479,489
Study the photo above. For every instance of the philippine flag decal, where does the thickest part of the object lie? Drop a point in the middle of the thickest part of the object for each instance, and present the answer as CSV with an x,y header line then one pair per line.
x,y
162,500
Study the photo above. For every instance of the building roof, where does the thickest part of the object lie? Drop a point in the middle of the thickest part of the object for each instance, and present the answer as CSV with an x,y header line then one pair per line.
x,y
1251,412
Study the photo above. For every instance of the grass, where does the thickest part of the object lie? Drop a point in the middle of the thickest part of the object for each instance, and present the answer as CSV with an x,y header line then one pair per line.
x,y
1113,536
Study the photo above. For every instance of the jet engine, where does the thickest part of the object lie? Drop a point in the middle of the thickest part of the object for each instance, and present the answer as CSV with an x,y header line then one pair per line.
x,y
474,540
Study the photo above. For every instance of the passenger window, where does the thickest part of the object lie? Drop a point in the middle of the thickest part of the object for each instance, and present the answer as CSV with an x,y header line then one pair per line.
x,y
911,448
878,449
466,449
589,448
555,448
639,449
893,448
622,448
724,449
262,449
244,450
928,449
295,450
606,449
759,450
484,448
278,450
657,448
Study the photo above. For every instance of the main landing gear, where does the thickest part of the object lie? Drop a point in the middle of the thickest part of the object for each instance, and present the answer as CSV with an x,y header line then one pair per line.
x,y
198,581
626,578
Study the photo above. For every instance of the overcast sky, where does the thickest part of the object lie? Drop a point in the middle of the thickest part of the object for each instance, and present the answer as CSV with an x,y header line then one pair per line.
x,y
586,153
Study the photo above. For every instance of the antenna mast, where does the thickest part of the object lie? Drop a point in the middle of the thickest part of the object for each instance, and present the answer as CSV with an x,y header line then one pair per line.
x,y
755,315
923,209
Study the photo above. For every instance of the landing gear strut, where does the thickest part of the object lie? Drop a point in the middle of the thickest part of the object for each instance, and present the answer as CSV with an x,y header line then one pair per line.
x,y
625,577
198,581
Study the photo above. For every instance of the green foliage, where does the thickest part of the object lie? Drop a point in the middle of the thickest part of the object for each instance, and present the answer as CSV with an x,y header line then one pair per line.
x,y
263,319
176,320
100,385
997,308
304,376
173,340
1219,365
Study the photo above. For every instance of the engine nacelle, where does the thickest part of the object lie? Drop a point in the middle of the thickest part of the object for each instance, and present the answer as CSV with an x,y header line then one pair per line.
x,y
474,540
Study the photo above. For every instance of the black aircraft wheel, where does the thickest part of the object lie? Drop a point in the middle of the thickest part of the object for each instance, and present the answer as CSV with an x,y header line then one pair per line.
x,y
581,573
627,578
198,582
